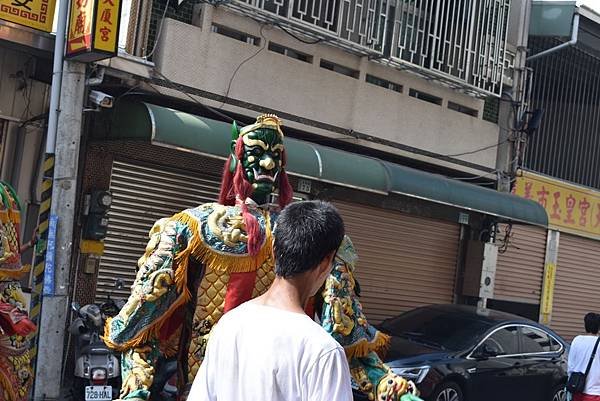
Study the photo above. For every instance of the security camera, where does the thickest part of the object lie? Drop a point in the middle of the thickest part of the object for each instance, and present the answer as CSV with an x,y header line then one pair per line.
x,y
101,99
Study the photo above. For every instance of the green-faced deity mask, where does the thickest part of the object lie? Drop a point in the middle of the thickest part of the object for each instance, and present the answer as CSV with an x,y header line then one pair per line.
x,y
262,154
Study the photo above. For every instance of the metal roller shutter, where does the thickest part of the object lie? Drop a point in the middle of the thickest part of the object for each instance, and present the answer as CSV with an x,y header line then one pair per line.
x,y
405,261
142,195
577,284
520,270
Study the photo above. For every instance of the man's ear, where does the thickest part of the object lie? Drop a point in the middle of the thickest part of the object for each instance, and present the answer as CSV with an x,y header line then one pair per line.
x,y
326,263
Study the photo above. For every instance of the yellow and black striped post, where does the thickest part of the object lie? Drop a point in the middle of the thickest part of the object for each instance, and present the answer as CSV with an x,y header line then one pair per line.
x,y
40,251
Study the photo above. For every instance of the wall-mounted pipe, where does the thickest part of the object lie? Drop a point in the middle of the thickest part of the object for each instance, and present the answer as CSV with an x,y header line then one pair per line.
x,y
571,42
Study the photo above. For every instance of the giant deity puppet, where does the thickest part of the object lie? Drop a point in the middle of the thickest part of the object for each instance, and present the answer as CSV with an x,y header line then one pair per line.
x,y
205,261
15,327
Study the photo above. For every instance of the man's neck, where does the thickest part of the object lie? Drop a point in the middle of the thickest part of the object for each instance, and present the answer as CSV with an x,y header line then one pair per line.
x,y
286,294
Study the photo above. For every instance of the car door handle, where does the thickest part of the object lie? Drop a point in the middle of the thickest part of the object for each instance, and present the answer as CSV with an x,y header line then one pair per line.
x,y
471,370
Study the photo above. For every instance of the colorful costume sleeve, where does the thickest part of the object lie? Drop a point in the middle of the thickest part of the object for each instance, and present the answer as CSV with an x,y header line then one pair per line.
x,y
16,329
343,318
148,321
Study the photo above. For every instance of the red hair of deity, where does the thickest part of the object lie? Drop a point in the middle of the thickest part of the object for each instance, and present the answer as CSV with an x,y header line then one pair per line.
x,y
235,185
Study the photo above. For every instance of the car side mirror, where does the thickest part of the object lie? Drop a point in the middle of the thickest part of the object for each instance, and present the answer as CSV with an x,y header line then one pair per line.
x,y
75,306
485,351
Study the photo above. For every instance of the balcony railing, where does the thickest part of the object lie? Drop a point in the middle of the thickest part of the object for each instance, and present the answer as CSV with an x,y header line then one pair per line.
x,y
461,43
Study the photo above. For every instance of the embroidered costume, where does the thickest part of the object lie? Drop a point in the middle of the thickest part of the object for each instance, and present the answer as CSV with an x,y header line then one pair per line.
x,y
15,327
205,261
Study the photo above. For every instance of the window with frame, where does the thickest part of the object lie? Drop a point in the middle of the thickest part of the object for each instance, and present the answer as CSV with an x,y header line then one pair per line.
x,y
535,341
504,341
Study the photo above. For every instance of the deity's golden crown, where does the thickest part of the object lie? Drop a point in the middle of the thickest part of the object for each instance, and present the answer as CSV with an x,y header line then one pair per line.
x,y
270,121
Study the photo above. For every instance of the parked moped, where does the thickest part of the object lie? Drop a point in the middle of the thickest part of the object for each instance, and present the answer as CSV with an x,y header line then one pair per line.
x,y
97,368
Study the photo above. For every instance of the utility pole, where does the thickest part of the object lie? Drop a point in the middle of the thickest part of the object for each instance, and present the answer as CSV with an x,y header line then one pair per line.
x,y
55,306
505,161
62,145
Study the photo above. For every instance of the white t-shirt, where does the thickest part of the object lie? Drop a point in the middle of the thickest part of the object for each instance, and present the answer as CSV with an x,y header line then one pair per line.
x,y
258,352
579,356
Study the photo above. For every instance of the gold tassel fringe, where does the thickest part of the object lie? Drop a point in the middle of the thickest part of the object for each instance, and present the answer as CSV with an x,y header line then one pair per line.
x,y
363,347
15,274
7,387
212,260
14,215
4,216
226,262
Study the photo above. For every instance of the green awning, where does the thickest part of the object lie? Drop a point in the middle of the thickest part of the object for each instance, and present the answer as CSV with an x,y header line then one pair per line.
x,y
176,129
439,189
173,128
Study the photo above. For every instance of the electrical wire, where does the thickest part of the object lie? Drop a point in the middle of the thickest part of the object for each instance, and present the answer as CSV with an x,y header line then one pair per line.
x,y
162,21
487,175
264,45
299,39
176,87
478,150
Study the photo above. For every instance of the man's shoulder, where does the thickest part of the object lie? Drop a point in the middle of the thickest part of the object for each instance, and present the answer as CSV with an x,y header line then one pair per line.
x,y
320,339
583,341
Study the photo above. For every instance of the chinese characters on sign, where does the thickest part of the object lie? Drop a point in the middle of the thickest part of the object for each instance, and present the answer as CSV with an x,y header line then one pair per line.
x,y
36,14
106,37
570,208
93,29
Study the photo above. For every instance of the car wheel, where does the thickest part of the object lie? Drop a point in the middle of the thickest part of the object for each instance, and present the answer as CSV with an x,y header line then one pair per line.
x,y
559,394
448,391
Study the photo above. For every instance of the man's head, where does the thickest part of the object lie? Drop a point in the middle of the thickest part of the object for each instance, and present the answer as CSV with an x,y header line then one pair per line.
x,y
307,236
592,323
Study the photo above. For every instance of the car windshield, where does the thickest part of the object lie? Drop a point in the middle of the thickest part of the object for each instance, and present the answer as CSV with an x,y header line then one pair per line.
x,y
438,328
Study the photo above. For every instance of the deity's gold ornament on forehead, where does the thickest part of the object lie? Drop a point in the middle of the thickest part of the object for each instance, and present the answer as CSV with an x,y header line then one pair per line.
x,y
268,121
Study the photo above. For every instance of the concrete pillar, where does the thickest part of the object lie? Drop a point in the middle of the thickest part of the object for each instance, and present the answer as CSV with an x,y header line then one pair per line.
x,y
55,306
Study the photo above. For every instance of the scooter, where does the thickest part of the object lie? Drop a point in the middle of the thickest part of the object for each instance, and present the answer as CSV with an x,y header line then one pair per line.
x,y
97,367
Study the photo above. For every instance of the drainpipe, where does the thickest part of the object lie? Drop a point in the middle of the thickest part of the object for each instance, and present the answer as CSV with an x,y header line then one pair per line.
x,y
571,42
57,75
98,79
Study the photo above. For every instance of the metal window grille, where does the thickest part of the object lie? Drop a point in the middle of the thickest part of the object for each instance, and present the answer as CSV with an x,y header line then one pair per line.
x,y
567,88
361,23
461,39
460,43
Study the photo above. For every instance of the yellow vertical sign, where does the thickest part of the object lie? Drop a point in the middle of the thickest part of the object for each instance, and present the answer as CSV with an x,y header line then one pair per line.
x,y
107,25
79,36
548,292
36,14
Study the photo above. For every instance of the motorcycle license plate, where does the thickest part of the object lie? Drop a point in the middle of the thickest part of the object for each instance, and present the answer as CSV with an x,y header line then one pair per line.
x,y
98,393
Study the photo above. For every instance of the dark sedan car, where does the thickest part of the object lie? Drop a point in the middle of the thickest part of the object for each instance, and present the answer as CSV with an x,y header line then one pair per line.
x,y
458,353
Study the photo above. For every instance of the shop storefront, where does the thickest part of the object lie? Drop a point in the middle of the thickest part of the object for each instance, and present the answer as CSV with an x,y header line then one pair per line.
x,y
407,258
572,262
520,269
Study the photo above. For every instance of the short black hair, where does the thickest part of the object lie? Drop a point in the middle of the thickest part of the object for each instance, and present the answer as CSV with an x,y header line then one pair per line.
x,y
305,233
592,323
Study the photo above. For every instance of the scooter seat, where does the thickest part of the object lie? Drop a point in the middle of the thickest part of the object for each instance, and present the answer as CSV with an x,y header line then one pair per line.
x,y
95,350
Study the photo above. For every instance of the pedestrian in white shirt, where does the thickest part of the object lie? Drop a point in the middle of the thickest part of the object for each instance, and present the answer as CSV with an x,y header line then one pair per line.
x,y
268,349
580,355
